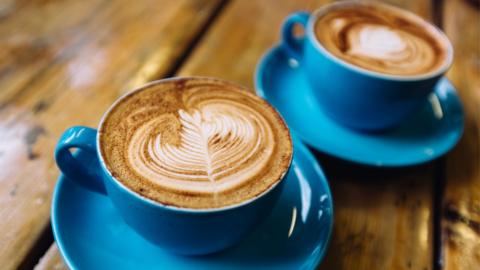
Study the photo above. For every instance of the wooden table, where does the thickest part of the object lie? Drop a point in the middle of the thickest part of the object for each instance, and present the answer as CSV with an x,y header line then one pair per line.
x,y
62,63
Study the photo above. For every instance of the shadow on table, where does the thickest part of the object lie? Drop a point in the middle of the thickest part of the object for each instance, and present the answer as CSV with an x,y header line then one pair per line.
x,y
370,203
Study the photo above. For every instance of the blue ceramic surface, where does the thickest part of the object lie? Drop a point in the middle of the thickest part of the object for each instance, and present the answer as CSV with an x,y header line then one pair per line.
x,y
91,234
353,96
425,135
182,230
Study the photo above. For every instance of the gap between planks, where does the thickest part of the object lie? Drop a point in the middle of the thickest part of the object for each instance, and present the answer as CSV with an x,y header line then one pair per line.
x,y
45,245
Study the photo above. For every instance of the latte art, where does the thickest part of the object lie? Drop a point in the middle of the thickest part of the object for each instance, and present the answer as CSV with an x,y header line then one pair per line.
x,y
381,39
379,42
397,50
196,143
215,144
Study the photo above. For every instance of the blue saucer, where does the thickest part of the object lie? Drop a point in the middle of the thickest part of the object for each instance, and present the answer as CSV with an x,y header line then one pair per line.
x,y
425,135
91,235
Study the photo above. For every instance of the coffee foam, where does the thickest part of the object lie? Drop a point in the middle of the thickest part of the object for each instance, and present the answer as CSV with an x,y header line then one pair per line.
x,y
195,143
382,39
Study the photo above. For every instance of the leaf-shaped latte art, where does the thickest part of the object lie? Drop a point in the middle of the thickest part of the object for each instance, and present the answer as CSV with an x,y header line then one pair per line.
x,y
195,143
218,143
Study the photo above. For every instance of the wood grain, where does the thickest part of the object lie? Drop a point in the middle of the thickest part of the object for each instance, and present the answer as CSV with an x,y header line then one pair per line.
x,y
383,218
62,63
51,260
461,205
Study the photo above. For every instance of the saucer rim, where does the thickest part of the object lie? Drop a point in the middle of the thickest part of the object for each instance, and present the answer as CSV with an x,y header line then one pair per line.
x,y
391,163
298,146
53,219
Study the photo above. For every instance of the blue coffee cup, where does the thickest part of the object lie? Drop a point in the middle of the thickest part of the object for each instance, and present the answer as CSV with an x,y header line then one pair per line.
x,y
180,230
354,96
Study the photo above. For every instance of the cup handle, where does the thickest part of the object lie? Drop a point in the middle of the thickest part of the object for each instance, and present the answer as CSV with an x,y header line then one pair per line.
x,y
84,173
292,44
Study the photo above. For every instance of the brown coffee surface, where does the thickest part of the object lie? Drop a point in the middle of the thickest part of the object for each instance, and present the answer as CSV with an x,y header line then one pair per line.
x,y
382,38
195,143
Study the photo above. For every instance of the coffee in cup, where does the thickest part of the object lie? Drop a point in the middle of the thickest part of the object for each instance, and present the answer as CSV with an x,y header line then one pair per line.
x,y
369,65
191,164
195,143
382,39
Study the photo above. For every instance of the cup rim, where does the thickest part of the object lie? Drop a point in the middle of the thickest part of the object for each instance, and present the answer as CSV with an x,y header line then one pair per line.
x,y
172,207
326,8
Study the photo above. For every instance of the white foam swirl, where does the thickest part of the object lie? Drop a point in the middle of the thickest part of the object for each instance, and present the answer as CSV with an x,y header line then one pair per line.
x,y
218,143
380,39
380,42
392,49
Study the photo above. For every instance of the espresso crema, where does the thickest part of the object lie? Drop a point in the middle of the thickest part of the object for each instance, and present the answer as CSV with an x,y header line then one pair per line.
x,y
382,38
195,143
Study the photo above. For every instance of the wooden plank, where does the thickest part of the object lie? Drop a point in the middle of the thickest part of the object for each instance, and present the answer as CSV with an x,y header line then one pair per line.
x,y
383,218
461,203
52,260
29,42
250,33
62,63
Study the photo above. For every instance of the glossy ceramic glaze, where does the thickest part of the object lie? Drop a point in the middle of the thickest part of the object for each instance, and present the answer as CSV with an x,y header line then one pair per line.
x,y
426,134
181,230
91,234
355,97
191,231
